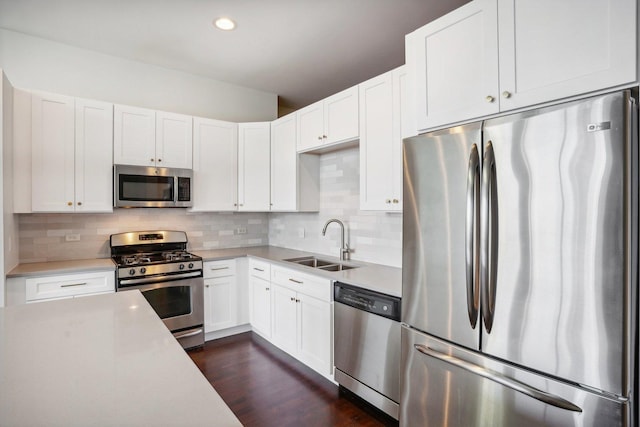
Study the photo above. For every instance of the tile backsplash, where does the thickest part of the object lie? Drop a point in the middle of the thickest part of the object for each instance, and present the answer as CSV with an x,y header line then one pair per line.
x,y
372,236
43,236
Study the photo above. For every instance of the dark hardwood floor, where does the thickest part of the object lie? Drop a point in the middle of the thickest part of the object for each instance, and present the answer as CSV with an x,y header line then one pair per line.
x,y
264,386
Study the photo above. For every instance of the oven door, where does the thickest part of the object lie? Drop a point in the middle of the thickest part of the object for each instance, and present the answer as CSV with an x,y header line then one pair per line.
x,y
180,305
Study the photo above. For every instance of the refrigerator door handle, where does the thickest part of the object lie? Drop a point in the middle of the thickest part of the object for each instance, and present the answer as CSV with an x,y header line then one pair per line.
x,y
489,237
513,384
472,237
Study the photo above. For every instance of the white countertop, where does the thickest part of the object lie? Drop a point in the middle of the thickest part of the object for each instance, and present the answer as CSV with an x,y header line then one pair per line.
x,y
104,360
376,277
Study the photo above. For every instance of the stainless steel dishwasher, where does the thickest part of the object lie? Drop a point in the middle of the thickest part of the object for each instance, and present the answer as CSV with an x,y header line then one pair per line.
x,y
367,345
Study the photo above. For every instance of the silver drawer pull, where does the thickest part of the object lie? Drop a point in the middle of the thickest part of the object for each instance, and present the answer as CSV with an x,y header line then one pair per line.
x,y
258,269
513,384
296,281
73,284
219,268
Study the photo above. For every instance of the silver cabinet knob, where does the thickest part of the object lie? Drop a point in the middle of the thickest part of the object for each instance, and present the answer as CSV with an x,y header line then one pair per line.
x,y
489,98
151,160
69,203
396,201
79,203
320,138
506,94
206,286
324,136
159,160
388,201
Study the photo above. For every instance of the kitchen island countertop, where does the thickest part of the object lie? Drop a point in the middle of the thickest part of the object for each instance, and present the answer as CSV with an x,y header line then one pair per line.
x,y
104,360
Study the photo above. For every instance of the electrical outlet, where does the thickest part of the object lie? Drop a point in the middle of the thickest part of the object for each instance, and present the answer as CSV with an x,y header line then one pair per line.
x,y
72,237
241,230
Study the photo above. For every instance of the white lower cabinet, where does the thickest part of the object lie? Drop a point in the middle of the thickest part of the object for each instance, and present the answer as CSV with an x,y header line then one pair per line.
x,y
220,295
302,317
44,288
260,297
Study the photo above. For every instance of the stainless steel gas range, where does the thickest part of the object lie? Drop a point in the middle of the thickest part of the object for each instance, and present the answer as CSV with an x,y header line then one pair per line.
x,y
169,277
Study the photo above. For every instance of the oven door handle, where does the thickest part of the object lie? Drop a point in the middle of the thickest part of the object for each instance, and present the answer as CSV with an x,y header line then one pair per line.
x,y
187,334
157,279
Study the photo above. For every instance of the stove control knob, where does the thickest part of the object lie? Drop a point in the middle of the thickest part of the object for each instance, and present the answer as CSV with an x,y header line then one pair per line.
x,y
132,272
190,265
181,266
143,270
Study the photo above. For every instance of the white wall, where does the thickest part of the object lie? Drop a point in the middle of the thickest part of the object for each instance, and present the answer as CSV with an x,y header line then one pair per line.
x,y
9,227
373,236
39,64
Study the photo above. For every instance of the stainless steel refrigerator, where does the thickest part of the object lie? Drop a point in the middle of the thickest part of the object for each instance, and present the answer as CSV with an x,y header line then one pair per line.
x,y
519,269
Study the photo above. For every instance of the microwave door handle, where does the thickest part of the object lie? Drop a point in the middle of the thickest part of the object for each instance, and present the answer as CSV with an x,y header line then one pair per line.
x,y
175,190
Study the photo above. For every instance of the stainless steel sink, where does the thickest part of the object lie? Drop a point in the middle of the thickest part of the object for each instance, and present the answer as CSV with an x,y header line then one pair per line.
x,y
321,264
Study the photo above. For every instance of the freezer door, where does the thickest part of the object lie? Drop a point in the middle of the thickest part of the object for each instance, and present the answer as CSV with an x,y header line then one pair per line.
x,y
440,289
560,302
444,385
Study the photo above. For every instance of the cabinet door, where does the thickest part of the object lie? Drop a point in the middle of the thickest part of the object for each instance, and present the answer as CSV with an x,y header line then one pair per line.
x,y
455,60
310,126
377,144
284,179
174,140
314,333
284,331
341,116
253,166
22,128
94,154
220,309
260,313
53,145
215,165
134,136
581,46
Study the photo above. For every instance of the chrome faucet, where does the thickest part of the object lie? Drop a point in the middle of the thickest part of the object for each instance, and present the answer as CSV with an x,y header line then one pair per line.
x,y
344,248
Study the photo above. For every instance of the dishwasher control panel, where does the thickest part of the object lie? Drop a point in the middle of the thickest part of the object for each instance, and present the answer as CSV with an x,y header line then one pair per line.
x,y
367,300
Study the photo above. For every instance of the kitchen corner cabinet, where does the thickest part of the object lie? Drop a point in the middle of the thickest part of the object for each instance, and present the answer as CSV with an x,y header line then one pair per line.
x,y
215,165
382,101
511,54
71,154
260,297
254,147
294,177
145,137
220,295
330,121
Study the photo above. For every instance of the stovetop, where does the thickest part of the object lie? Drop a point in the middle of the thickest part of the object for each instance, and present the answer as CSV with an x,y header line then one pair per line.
x,y
150,258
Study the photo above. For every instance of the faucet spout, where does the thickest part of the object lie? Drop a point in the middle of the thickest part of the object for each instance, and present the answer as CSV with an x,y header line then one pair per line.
x,y
344,248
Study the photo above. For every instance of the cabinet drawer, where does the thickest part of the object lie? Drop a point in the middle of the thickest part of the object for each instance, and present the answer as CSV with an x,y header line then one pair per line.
x,y
308,284
69,285
221,268
260,269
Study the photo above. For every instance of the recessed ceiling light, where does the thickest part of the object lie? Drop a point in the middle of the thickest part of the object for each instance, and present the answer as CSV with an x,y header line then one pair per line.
x,y
224,24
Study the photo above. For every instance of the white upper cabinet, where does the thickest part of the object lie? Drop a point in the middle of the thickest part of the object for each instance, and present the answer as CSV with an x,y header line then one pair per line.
x,y
490,56
330,121
254,159
174,140
455,59
134,136
148,138
383,101
94,153
294,177
580,47
215,165
71,167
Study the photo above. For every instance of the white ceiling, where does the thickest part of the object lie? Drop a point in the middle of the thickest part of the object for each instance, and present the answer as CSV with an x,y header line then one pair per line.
x,y
302,50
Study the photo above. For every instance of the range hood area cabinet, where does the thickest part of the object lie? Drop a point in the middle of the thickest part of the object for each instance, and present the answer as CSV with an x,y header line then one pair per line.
x,y
510,55
152,138
62,154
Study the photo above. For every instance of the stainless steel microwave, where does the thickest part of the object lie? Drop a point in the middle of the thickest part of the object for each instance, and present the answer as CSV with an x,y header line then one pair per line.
x,y
150,187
